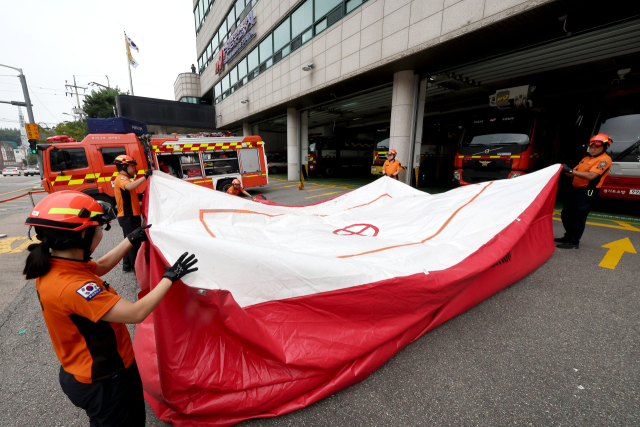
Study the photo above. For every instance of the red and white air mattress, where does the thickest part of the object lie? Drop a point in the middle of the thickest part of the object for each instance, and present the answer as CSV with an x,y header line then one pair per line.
x,y
291,304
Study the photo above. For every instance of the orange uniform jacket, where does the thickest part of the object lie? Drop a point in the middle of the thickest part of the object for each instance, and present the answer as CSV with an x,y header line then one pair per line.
x,y
127,200
599,165
235,192
391,168
73,299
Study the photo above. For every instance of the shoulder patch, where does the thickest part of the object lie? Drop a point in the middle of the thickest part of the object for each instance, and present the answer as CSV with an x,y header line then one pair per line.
x,y
122,177
89,290
603,164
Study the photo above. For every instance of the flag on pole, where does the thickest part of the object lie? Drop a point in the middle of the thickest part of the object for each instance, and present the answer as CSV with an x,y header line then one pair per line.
x,y
132,61
132,44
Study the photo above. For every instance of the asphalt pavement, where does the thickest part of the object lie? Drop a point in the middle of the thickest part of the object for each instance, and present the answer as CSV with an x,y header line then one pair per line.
x,y
560,347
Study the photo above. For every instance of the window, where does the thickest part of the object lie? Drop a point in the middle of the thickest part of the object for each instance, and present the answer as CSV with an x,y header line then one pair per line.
x,y
214,40
325,6
282,35
252,59
266,48
242,68
231,21
218,90
69,158
352,4
233,76
109,154
302,18
225,83
196,17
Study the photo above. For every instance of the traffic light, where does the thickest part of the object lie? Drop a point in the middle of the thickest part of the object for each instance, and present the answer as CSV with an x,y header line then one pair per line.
x,y
32,146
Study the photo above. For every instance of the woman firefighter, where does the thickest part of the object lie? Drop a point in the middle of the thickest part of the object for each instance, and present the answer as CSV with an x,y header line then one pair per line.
x,y
84,315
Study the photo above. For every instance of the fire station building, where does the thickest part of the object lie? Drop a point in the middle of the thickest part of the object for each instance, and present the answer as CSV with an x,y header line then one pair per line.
x,y
408,72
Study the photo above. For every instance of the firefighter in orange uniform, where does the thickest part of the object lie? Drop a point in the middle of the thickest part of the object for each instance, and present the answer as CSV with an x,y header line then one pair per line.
x,y
392,166
236,189
128,203
588,177
84,315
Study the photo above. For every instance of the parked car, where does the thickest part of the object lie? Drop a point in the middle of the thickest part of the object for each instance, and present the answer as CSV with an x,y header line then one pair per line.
x,y
277,163
32,171
11,170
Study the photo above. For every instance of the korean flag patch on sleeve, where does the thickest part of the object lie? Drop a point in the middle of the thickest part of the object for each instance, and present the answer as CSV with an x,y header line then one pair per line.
x,y
89,290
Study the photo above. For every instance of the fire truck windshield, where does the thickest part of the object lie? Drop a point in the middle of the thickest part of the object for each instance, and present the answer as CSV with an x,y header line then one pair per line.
x,y
621,121
507,130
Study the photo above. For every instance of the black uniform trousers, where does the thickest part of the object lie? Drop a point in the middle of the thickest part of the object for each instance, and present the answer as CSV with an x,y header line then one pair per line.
x,y
129,224
117,401
577,206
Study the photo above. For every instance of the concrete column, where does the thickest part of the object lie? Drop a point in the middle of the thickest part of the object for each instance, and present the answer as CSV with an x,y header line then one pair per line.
x,y
292,144
255,129
401,112
246,129
422,96
304,122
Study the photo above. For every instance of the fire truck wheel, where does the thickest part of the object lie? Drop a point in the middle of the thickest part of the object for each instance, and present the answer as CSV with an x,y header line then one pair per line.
x,y
106,199
224,185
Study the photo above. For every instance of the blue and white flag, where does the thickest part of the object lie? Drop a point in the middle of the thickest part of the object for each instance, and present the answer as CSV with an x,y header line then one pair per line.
x,y
132,44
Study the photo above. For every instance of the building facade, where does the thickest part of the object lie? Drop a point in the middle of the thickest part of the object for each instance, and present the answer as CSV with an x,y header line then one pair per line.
x,y
300,69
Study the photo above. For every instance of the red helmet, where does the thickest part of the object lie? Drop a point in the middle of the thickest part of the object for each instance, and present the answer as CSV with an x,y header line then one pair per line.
x,y
392,151
123,159
236,181
601,139
69,210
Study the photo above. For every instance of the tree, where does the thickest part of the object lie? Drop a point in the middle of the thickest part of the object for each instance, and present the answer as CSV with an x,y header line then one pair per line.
x,y
32,159
77,130
8,134
100,104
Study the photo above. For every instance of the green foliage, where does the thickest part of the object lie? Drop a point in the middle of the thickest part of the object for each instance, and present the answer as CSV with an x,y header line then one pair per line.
x,y
8,134
100,104
32,159
77,130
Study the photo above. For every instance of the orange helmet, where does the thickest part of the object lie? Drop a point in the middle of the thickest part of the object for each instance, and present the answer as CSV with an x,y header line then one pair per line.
x,y
601,139
236,181
123,159
392,151
69,210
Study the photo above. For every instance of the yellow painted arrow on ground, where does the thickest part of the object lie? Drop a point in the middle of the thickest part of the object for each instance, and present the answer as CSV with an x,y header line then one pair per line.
x,y
615,252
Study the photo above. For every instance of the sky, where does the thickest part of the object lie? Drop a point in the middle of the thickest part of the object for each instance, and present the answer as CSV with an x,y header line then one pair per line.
x,y
54,40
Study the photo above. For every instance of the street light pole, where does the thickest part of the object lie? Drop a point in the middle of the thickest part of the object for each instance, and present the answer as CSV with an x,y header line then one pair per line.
x,y
27,100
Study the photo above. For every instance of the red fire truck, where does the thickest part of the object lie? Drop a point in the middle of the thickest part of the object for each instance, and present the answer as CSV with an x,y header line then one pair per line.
x,y
213,162
500,144
620,119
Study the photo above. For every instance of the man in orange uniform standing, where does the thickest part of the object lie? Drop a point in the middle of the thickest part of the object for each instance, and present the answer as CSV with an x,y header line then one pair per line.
x,y
392,166
128,203
588,177
236,188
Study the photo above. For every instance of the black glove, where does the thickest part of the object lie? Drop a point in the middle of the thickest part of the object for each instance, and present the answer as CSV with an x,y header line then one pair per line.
x,y
181,268
148,173
138,235
566,169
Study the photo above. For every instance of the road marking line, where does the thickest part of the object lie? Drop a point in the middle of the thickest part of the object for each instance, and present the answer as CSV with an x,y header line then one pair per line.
x,y
14,191
615,252
320,195
622,226
316,189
